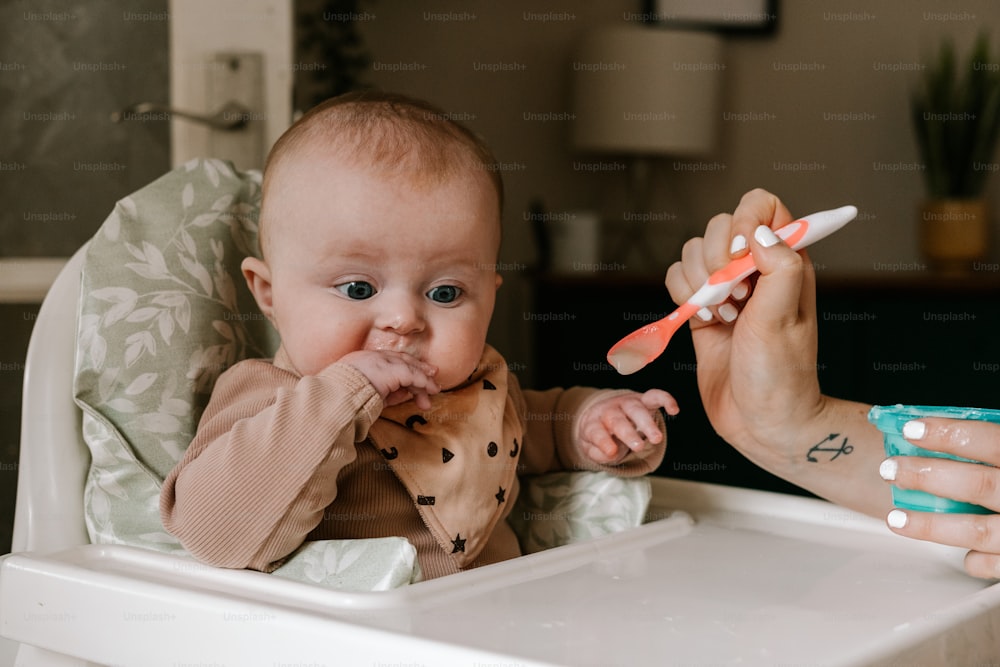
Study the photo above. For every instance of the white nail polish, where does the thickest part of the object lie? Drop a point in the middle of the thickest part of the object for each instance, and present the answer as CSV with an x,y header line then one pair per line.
x,y
740,291
914,430
705,315
896,519
738,243
765,236
728,312
888,469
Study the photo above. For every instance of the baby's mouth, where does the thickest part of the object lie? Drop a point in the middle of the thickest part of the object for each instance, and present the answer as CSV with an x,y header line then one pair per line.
x,y
398,346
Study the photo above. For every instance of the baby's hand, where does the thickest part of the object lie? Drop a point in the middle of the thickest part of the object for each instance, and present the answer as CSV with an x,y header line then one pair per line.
x,y
396,376
610,428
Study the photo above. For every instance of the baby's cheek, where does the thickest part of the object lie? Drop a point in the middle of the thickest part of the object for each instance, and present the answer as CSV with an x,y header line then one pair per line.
x,y
451,375
457,357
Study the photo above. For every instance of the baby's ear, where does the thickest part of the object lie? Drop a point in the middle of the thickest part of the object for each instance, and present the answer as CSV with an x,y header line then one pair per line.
x,y
258,277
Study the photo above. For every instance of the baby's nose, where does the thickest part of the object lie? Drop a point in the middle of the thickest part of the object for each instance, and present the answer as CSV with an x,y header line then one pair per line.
x,y
402,315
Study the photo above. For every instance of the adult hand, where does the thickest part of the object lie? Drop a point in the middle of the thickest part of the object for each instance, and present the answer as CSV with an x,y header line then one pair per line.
x,y
757,351
967,482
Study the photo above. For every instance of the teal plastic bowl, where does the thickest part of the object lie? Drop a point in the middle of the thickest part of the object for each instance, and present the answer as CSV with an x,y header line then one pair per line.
x,y
890,420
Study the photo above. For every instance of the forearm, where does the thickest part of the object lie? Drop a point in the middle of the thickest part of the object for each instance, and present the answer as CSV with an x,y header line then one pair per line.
x,y
256,481
834,453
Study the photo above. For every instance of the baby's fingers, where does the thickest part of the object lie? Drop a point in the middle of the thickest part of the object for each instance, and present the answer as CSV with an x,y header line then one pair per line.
x,y
644,425
422,399
657,398
632,423
412,381
398,396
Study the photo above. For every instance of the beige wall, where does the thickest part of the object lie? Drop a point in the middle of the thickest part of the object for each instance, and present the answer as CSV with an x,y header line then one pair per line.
x,y
827,95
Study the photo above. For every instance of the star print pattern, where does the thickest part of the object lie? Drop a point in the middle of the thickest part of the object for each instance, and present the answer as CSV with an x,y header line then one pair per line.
x,y
448,457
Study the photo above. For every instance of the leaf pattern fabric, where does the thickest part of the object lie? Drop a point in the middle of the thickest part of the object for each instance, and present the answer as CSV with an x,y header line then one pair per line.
x,y
163,311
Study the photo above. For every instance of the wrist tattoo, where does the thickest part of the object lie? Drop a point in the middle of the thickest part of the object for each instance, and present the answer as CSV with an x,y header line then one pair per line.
x,y
827,445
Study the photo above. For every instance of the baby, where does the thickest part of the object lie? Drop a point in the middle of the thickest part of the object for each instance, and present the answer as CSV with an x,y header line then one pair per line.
x,y
384,411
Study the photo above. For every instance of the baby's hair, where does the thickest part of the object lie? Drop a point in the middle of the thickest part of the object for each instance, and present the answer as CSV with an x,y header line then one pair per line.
x,y
389,132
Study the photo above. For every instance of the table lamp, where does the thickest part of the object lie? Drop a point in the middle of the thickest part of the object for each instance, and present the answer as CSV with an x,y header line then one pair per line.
x,y
641,92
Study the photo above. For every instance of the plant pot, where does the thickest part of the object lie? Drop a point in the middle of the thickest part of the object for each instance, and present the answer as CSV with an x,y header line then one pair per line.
x,y
954,233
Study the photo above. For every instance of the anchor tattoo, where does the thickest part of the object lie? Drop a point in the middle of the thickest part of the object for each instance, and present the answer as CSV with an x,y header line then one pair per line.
x,y
818,447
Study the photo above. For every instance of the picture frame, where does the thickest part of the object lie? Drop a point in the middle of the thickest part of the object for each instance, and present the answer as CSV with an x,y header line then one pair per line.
x,y
735,16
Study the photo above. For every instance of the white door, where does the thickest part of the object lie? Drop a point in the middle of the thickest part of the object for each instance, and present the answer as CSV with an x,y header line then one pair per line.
x,y
232,60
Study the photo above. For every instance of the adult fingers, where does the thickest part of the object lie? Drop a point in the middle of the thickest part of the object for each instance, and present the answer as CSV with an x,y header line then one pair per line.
x,y
970,439
977,532
757,207
718,242
784,274
985,565
958,480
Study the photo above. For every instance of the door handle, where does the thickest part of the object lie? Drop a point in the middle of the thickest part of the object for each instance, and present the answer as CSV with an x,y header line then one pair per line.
x,y
231,117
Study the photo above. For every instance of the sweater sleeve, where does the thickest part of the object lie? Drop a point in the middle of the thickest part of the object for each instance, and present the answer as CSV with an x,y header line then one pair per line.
x,y
551,430
264,462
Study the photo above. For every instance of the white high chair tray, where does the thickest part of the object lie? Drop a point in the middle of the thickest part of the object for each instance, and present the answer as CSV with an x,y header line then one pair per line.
x,y
726,576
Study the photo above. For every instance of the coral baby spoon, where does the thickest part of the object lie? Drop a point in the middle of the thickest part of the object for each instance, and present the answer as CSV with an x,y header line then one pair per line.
x,y
640,347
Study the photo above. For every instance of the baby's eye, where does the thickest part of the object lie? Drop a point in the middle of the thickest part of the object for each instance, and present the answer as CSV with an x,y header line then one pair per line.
x,y
357,289
444,294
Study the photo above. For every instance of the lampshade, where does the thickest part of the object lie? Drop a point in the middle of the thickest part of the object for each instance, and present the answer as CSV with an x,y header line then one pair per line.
x,y
647,90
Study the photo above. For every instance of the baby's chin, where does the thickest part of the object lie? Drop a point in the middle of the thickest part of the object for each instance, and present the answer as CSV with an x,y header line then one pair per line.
x,y
451,379
451,375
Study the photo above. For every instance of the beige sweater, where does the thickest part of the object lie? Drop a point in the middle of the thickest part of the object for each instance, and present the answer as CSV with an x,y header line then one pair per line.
x,y
279,459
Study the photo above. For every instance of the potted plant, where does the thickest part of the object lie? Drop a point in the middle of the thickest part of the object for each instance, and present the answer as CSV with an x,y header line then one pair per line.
x,y
330,50
956,116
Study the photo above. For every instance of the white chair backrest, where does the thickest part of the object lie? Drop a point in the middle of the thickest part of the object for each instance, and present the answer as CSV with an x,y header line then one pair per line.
x,y
54,458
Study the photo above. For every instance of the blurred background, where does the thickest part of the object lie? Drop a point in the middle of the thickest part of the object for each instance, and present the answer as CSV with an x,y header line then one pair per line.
x,y
621,127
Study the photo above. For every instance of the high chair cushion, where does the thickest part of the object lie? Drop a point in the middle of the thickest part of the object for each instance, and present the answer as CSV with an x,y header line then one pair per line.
x,y
163,311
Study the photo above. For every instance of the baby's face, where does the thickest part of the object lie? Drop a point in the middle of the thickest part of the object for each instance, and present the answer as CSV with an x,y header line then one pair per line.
x,y
359,261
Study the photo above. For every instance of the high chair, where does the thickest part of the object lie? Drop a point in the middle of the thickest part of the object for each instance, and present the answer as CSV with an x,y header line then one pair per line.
x,y
712,574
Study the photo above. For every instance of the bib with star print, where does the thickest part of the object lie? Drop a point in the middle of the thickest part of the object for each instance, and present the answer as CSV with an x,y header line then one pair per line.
x,y
457,460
